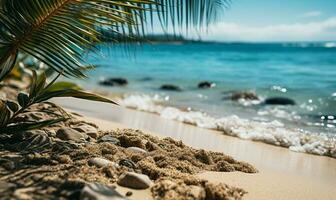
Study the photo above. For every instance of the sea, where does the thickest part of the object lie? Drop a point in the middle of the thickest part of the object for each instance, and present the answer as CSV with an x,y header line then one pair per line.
x,y
304,72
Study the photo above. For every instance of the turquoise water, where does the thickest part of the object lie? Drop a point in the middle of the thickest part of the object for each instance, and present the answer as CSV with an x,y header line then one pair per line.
x,y
304,72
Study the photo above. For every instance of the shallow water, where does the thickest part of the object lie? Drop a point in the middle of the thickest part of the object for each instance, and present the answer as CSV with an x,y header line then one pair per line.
x,y
304,72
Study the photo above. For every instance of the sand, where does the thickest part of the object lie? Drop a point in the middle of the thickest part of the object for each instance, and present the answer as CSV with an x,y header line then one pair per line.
x,y
267,183
282,174
65,160
43,165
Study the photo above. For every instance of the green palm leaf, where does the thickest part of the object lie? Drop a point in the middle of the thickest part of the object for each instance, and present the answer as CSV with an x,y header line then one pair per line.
x,y
59,32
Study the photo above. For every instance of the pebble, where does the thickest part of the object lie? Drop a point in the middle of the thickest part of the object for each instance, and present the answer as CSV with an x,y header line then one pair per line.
x,y
136,150
101,162
129,193
110,139
87,129
96,191
71,134
134,181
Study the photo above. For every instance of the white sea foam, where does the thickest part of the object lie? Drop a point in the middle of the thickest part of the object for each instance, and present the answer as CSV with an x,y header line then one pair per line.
x,y
273,132
330,45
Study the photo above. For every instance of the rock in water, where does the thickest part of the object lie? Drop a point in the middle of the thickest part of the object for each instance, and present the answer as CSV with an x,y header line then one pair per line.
x,y
206,84
100,162
96,191
244,95
279,101
71,134
114,82
170,87
134,180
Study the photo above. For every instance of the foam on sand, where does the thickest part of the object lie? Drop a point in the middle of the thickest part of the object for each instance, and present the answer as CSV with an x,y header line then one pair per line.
x,y
273,132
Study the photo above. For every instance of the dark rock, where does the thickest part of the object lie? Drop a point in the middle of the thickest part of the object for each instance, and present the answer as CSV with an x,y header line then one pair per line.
x,y
114,82
127,163
71,134
206,84
134,180
97,191
109,139
279,101
244,95
129,193
170,87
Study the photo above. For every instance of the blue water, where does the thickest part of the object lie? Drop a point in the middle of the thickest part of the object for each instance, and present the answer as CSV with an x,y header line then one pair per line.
x,y
304,72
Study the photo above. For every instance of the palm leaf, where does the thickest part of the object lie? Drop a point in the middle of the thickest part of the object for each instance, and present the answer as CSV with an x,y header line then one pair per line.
x,y
59,32
26,126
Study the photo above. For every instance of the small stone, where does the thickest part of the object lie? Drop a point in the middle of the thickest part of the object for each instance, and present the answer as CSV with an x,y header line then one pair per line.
x,y
109,139
129,193
134,181
101,162
71,134
87,129
96,191
136,150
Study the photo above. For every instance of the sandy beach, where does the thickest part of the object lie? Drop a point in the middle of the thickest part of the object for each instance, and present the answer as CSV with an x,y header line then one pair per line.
x,y
167,100
282,174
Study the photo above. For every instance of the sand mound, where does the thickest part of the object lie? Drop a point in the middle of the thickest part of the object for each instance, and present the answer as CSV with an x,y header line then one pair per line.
x,y
59,161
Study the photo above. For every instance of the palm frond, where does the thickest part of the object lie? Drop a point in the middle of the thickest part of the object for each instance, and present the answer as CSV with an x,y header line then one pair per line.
x,y
59,32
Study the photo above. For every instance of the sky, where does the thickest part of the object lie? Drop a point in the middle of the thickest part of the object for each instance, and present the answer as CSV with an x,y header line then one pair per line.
x,y
275,20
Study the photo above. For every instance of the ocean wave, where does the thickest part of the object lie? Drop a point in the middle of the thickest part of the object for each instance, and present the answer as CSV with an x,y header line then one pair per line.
x,y
273,132
330,45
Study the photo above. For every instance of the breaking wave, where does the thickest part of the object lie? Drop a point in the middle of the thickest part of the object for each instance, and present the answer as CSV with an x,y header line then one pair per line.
x,y
273,132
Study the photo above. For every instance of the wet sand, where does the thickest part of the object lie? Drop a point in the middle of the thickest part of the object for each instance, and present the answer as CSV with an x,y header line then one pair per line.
x,y
283,174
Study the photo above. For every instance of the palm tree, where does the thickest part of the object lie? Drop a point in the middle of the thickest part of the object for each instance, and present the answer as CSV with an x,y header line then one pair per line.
x,y
59,32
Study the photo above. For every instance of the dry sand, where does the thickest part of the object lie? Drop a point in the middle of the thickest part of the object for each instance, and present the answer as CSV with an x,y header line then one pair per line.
x,y
282,174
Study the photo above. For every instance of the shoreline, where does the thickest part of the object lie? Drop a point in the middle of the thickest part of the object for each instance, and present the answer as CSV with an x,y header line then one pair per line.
x,y
274,132
262,156
284,182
